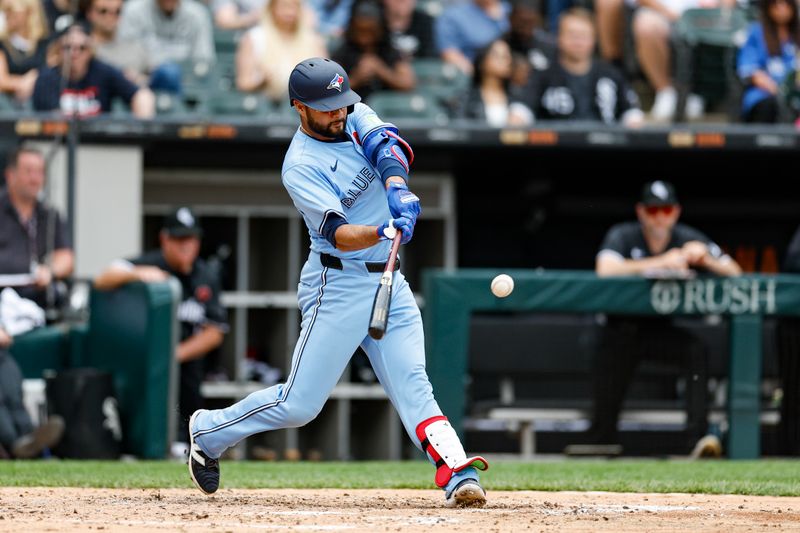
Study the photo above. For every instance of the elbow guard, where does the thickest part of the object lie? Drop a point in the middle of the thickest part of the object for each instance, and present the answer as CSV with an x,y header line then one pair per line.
x,y
388,152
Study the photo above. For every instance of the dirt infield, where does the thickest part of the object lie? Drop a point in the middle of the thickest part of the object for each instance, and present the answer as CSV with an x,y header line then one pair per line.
x,y
110,510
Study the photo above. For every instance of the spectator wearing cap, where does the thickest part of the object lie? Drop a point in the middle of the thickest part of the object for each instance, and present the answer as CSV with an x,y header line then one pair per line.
x,y
656,245
85,86
173,32
202,318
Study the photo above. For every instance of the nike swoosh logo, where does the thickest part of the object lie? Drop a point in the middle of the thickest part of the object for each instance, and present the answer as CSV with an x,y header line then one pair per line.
x,y
335,165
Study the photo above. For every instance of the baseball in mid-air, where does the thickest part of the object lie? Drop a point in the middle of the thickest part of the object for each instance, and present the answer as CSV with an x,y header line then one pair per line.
x,y
502,285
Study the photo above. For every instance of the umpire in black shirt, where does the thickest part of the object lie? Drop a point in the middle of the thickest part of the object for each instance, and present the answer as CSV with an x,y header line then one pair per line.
x,y
202,317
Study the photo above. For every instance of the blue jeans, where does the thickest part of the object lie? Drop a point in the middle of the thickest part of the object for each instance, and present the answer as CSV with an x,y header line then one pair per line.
x,y
166,77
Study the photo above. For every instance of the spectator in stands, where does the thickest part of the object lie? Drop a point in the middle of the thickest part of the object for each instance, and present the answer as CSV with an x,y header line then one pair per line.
x,y
652,29
173,32
410,28
127,55
332,19
368,56
578,86
85,86
19,438
23,44
237,14
201,316
611,26
59,14
34,239
527,37
463,28
766,59
268,52
656,245
488,98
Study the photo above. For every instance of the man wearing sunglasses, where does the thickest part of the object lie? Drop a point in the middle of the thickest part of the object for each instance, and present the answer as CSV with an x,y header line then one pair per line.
x,y
657,245
85,86
128,55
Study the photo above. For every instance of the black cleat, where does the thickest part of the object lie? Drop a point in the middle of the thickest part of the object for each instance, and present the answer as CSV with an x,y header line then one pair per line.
x,y
203,469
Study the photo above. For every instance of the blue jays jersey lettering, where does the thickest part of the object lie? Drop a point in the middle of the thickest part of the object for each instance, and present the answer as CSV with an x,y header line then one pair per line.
x,y
347,184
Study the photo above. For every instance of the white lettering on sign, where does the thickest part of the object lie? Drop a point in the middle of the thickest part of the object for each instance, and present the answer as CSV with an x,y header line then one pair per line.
x,y
713,296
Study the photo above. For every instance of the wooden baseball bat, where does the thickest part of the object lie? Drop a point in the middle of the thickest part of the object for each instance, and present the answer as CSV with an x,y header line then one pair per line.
x,y
383,296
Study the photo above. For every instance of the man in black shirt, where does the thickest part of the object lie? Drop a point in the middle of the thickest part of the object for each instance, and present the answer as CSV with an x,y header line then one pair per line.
x,y
35,247
656,245
410,29
527,38
201,315
578,86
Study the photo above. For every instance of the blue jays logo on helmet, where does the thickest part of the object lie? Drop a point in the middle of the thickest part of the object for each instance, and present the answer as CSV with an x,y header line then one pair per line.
x,y
336,82
321,84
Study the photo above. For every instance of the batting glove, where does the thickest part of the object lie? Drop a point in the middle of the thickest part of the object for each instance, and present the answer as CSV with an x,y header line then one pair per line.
x,y
402,200
388,229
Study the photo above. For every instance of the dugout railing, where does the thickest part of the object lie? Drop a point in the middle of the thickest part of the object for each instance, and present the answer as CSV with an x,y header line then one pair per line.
x,y
452,296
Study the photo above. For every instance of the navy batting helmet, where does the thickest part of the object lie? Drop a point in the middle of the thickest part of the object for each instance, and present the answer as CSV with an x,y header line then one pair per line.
x,y
321,84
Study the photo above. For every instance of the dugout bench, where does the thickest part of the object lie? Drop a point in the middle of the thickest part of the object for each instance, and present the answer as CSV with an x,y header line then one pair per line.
x,y
451,296
131,333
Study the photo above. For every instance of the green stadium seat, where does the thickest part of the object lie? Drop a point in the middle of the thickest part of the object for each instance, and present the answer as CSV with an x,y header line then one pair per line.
x,y
119,108
706,42
789,97
437,74
226,41
7,103
197,80
168,104
392,105
225,76
443,81
237,103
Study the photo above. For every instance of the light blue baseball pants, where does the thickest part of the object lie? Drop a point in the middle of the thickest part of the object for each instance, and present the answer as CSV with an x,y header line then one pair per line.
x,y
335,306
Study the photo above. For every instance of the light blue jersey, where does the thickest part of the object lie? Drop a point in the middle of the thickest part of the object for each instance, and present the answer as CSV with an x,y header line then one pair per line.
x,y
336,177
335,297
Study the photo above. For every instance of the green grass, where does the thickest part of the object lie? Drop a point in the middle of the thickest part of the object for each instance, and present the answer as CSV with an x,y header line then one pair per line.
x,y
766,477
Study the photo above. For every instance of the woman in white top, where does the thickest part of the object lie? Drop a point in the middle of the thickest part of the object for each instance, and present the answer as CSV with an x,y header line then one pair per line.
x,y
268,52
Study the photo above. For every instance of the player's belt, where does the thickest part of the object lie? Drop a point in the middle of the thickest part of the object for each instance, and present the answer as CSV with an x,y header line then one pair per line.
x,y
331,261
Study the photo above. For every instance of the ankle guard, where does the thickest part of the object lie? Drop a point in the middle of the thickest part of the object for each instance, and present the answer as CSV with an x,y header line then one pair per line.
x,y
439,440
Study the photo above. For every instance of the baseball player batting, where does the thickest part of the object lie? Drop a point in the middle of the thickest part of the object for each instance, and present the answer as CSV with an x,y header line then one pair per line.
x,y
347,172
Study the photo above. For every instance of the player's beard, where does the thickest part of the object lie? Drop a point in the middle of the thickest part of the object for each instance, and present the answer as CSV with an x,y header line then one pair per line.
x,y
333,130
